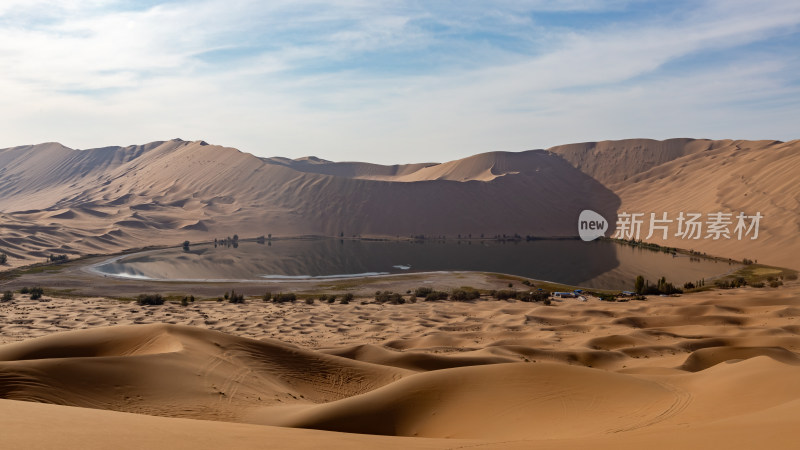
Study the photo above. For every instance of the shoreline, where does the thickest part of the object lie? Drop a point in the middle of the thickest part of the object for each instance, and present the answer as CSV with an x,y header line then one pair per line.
x,y
280,278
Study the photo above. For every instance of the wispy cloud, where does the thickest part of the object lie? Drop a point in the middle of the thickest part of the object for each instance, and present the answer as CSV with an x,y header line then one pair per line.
x,y
393,81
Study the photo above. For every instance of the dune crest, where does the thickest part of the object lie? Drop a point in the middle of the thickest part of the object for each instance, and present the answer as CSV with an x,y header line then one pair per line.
x,y
105,200
504,374
108,199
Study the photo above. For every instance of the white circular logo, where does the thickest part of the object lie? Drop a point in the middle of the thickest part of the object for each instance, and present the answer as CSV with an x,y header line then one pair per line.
x,y
591,225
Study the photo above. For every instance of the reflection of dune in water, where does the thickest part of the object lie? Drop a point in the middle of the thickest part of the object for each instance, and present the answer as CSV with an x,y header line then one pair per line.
x,y
594,264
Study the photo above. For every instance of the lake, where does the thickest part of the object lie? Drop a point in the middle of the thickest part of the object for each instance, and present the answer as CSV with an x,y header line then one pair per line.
x,y
597,264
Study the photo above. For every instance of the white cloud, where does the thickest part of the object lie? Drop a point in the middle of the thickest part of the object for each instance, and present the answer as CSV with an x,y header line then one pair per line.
x,y
301,77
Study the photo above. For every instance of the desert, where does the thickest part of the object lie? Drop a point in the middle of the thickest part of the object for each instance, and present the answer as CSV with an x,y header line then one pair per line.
x,y
399,224
500,374
303,361
128,303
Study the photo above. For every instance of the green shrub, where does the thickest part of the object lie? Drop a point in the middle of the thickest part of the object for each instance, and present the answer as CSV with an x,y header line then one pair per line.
x,y
331,299
436,295
235,298
36,293
775,283
284,298
722,284
267,296
185,301
8,296
347,298
464,294
309,300
24,290
389,297
3,258
422,292
505,294
735,283
150,299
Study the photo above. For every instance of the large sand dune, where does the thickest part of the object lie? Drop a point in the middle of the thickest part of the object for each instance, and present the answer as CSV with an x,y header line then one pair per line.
x,y
703,176
57,200
715,368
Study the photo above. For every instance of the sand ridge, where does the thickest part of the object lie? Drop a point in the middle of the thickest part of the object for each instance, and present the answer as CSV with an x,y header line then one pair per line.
x,y
101,201
98,201
704,176
498,373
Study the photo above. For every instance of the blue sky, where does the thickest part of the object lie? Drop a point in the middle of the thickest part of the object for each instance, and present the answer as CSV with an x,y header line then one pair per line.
x,y
396,81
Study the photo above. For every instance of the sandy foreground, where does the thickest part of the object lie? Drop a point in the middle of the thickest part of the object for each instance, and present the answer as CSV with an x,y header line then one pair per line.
x,y
717,369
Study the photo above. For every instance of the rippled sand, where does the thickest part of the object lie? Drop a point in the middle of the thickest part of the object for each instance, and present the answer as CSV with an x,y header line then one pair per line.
x,y
716,367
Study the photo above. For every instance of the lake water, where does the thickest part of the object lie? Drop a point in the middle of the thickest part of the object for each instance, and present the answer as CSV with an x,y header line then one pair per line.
x,y
597,264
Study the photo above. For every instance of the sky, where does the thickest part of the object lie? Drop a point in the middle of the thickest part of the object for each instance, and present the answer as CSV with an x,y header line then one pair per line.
x,y
396,81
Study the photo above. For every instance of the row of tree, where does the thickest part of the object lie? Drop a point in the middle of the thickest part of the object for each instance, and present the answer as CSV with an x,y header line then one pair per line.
x,y
643,287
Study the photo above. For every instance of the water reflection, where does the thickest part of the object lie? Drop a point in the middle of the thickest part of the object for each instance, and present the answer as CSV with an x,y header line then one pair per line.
x,y
597,264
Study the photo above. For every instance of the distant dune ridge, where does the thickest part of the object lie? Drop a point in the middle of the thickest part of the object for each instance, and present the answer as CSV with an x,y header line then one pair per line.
x,y
706,176
57,200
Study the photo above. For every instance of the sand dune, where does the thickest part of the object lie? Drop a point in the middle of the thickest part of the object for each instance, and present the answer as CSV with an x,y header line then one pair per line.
x,y
482,167
106,200
687,175
57,200
361,170
146,369
502,374
78,427
501,401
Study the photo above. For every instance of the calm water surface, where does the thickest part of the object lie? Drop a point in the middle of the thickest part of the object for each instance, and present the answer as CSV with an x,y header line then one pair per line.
x,y
598,264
